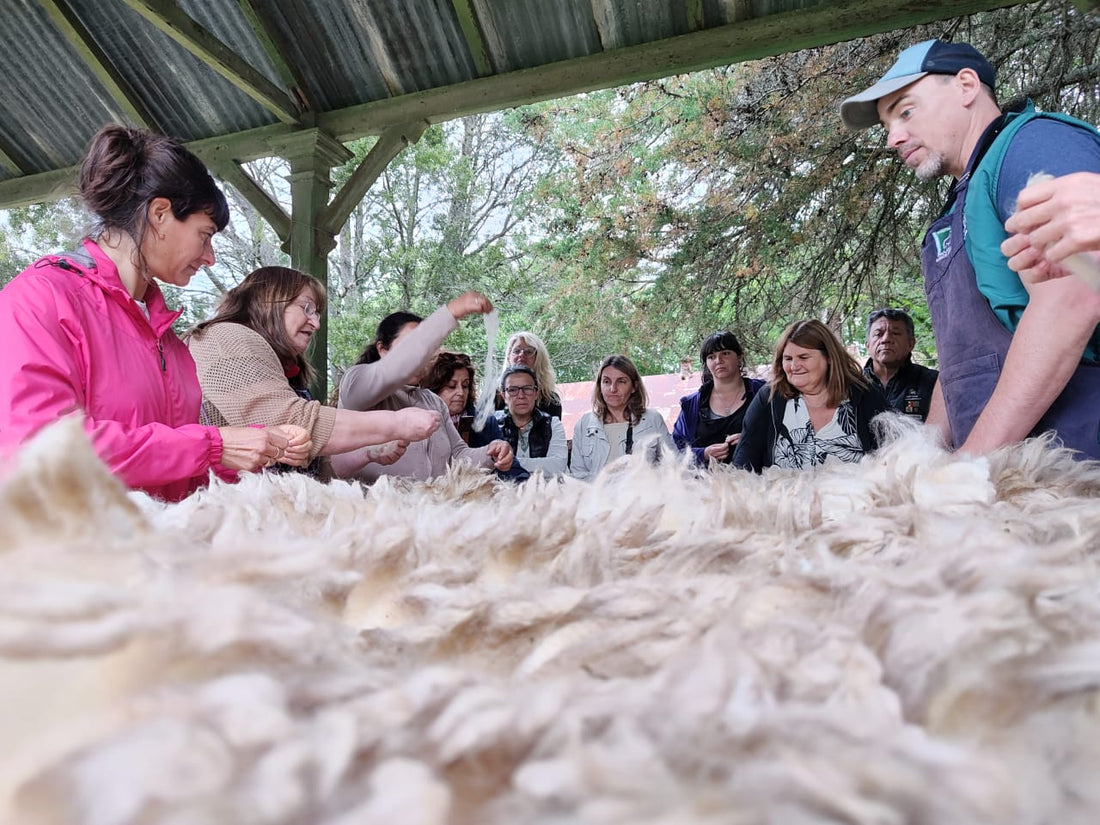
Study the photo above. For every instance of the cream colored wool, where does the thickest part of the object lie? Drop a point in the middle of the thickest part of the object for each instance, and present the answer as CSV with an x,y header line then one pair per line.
x,y
915,639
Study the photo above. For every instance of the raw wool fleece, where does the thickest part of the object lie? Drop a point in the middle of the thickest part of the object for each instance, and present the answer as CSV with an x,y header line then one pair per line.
x,y
912,640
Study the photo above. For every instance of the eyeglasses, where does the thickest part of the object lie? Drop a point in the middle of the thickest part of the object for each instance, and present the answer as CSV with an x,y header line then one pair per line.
x,y
512,392
526,352
309,308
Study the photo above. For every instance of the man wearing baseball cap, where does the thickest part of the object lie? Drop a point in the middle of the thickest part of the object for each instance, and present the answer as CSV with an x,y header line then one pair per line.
x,y
1014,361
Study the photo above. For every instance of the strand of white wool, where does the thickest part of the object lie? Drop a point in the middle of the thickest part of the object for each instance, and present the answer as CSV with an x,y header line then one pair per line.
x,y
661,645
492,374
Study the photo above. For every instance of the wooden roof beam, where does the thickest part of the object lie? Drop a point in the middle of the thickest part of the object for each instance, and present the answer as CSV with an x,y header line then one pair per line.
x,y
8,161
45,186
752,39
390,144
693,9
479,51
748,40
119,89
269,209
170,19
275,46
607,26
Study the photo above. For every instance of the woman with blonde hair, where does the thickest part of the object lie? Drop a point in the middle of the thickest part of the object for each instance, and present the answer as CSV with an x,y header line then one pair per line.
x,y
619,424
818,406
525,349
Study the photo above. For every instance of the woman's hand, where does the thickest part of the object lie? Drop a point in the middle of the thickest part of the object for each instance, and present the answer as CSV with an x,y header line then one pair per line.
x,y
719,451
298,444
253,448
387,453
501,454
469,303
415,424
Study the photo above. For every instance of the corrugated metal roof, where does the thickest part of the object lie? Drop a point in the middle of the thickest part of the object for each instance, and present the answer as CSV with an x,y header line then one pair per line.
x,y
211,69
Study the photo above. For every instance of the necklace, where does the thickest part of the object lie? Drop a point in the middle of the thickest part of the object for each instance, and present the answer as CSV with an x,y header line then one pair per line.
x,y
724,407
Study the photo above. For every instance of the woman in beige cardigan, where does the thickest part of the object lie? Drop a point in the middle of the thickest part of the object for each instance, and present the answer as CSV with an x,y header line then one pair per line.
x,y
253,370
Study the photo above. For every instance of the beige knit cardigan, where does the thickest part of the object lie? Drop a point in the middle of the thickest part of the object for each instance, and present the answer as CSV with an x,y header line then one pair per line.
x,y
243,383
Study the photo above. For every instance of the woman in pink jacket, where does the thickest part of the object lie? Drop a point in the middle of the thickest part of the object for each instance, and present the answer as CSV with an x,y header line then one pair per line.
x,y
89,332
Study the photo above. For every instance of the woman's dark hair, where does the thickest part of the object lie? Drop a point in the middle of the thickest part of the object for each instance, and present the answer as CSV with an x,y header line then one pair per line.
x,y
125,169
443,366
716,342
259,301
388,330
638,401
843,370
891,314
518,369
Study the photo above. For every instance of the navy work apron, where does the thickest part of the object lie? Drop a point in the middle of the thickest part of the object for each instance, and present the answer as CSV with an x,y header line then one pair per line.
x,y
971,343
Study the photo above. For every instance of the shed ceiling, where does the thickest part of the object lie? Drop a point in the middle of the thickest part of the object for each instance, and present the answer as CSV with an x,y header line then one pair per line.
x,y
237,78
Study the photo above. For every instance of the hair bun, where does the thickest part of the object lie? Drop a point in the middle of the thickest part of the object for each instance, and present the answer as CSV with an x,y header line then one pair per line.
x,y
126,168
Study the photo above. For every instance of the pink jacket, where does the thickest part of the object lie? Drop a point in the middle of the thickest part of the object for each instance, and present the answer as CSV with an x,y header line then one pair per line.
x,y
73,340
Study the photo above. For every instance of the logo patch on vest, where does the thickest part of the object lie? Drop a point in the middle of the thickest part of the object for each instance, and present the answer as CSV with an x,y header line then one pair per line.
x,y
911,404
942,239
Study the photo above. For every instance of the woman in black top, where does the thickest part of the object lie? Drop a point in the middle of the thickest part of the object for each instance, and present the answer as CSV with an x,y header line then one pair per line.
x,y
710,420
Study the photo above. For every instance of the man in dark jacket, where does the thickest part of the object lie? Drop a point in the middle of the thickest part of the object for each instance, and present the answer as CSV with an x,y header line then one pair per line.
x,y
907,386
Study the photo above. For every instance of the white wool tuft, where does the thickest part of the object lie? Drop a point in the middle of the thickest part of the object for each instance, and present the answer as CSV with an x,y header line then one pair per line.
x,y
913,639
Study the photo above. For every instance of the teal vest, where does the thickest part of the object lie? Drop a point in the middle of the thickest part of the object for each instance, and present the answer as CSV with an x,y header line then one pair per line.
x,y
985,231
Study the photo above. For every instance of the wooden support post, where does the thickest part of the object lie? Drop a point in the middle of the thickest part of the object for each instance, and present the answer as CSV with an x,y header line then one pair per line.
x,y
311,154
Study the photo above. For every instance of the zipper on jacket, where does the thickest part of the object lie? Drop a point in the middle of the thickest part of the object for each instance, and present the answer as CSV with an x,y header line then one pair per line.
x,y
160,351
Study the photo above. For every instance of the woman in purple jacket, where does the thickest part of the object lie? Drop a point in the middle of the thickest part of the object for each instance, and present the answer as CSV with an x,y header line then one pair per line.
x,y
710,419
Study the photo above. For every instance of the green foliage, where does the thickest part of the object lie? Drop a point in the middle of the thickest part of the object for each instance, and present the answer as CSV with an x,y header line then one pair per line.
x,y
734,197
32,231
640,219
12,261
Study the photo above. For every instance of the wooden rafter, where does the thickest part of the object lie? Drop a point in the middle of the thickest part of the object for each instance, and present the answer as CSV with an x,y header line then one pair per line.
x,y
45,186
275,46
267,206
390,144
694,11
467,19
748,40
171,19
78,36
607,25
8,161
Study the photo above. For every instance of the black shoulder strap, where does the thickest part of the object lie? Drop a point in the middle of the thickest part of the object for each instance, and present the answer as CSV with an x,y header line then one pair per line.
x,y
779,407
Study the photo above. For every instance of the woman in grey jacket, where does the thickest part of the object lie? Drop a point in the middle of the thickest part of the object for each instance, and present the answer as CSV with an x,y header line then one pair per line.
x,y
619,424
385,378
